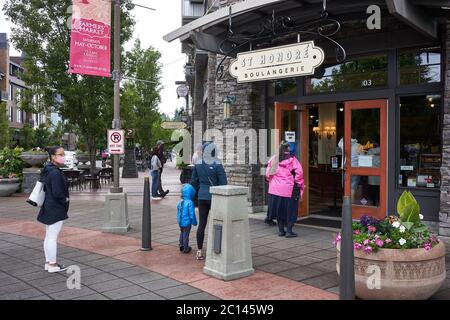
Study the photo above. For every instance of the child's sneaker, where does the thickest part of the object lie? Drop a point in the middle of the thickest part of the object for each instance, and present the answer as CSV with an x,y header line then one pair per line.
x,y
199,255
189,249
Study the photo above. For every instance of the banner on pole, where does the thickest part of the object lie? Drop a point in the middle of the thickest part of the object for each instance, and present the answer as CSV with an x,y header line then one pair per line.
x,y
90,38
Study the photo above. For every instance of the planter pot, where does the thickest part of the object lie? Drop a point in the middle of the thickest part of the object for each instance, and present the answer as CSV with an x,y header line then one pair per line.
x,y
8,186
34,159
83,158
406,274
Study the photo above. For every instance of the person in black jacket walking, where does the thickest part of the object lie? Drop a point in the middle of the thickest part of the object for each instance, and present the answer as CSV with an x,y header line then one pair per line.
x,y
207,173
55,207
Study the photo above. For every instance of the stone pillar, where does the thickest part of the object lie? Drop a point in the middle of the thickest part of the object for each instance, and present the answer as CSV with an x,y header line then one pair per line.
x,y
30,177
228,253
444,214
129,165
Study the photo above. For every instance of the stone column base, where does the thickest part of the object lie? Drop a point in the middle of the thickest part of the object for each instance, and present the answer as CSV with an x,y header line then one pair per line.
x,y
116,213
228,276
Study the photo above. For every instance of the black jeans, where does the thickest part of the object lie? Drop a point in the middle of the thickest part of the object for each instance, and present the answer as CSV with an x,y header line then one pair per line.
x,y
203,210
160,188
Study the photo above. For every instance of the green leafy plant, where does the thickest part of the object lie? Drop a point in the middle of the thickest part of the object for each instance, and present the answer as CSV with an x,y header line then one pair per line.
x,y
405,231
11,162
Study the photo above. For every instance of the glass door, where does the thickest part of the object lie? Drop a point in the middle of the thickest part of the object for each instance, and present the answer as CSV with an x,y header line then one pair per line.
x,y
364,147
291,123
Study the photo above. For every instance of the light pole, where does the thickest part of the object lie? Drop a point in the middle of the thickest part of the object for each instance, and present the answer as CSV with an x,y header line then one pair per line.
x,y
116,76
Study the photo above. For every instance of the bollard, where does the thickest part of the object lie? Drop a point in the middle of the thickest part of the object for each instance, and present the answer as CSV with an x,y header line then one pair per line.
x,y
146,218
347,263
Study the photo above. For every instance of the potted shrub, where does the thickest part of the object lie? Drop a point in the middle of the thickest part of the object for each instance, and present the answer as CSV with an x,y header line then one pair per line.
x,y
11,166
397,257
82,157
35,157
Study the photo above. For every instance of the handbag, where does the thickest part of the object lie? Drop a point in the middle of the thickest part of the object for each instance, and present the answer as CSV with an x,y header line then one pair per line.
x,y
296,190
37,197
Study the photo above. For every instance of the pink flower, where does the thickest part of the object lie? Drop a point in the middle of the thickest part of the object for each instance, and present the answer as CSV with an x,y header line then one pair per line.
x,y
367,249
357,232
366,242
372,229
337,239
379,243
388,241
427,246
357,246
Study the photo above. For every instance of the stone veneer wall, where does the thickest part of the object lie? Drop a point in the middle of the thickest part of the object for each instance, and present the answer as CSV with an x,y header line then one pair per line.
x,y
248,112
444,214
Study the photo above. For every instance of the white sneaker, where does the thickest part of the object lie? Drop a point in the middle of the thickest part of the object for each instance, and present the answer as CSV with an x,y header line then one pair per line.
x,y
46,266
156,198
57,268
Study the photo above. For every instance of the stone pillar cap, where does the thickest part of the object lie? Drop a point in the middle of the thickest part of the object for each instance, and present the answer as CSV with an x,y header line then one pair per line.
x,y
228,190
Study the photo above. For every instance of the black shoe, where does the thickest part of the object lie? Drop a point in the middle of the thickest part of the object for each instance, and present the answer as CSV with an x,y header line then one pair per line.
x,y
291,235
165,193
189,249
270,222
281,234
181,248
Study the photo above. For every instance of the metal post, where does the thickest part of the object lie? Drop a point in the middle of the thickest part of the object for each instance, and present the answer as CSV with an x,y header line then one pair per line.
x,y
346,267
116,74
146,218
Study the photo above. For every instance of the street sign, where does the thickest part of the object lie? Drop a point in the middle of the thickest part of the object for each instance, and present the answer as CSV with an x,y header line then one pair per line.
x,y
182,91
116,143
173,125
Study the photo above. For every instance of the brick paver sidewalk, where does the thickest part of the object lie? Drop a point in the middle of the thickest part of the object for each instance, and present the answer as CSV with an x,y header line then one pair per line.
x,y
309,259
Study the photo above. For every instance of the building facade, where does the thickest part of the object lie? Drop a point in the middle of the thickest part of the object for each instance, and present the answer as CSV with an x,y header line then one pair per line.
x,y
380,97
12,86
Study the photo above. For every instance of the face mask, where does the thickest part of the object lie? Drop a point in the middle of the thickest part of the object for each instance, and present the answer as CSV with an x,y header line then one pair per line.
x,y
60,159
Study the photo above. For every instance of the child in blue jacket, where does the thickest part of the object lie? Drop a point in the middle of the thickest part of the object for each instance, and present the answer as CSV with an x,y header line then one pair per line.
x,y
186,216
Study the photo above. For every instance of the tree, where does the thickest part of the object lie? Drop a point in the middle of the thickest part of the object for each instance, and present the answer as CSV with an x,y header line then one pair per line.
x,y
141,98
41,32
4,126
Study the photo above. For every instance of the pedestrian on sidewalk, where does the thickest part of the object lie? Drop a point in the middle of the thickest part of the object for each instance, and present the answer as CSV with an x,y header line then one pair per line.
x,y
55,207
186,216
206,173
162,158
286,184
154,169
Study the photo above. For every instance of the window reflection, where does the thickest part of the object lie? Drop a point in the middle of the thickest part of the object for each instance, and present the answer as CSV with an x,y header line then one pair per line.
x,y
420,66
420,141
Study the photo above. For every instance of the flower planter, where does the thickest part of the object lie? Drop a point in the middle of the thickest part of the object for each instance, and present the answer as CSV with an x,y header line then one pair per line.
x,y
83,158
406,274
34,159
9,186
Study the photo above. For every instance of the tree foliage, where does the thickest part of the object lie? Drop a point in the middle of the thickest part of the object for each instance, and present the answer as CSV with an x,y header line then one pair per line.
x,y
42,33
4,126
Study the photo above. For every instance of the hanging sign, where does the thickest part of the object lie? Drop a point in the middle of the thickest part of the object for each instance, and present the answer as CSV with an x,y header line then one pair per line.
x,y
173,125
90,38
116,143
276,63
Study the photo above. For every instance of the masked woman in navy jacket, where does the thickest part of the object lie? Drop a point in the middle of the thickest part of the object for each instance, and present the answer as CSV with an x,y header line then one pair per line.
x,y
207,172
55,207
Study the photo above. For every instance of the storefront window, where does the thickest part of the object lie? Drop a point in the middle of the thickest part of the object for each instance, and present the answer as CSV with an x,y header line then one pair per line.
x,y
420,66
285,87
420,141
358,74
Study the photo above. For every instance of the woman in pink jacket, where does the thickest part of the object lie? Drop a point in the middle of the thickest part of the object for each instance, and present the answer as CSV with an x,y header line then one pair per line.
x,y
284,172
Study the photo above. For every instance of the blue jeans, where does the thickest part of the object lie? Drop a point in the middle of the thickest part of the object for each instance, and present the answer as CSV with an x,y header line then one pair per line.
x,y
155,182
184,237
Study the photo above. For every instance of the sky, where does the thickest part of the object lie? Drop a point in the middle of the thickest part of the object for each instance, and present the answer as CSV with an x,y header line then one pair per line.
x,y
150,27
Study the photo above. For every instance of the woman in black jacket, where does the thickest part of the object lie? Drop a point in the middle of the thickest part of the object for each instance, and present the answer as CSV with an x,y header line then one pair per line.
x,y
55,207
206,173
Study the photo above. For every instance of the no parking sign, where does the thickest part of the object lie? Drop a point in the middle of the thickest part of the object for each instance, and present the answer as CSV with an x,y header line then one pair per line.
x,y
116,144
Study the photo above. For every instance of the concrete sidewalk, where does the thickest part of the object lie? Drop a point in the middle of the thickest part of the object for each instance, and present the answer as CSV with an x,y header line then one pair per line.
x,y
309,260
